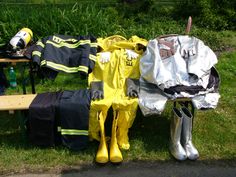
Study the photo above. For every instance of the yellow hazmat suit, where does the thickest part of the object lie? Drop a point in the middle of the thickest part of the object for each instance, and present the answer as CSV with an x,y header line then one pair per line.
x,y
113,72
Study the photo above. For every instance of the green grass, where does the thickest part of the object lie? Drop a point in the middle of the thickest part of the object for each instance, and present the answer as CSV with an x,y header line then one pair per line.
x,y
217,128
214,131
99,19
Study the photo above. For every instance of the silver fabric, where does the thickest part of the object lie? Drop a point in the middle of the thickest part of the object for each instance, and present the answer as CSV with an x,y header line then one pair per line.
x,y
186,137
192,58
152,101
188,63
175,146
206,101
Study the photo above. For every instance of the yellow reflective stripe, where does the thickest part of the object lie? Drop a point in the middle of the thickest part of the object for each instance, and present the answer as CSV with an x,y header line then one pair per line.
x,y
84,41
74,132
58,39
36,53
62,44
64,68
92,57
83,68
40,44
59,129
43,62
93,45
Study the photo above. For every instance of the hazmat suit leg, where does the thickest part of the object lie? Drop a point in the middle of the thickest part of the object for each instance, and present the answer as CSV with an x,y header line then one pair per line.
x,y
102,153
115,153
126,114
98,114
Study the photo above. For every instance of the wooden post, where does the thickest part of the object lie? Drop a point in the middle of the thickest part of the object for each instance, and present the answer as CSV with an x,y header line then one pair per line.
x,y
188,27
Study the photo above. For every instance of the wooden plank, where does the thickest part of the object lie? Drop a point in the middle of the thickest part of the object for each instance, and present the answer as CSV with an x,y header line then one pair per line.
x,y
16,102
9,60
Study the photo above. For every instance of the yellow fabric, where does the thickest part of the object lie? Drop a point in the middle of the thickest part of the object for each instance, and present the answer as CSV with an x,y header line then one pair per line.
x,y
102,153
119,42
114,74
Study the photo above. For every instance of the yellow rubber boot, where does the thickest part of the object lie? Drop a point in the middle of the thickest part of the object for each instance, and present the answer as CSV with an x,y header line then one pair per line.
x,y
102,154
115,153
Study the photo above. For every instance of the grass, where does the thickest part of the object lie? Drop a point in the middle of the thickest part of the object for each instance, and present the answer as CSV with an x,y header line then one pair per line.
x,y
214,132
99,19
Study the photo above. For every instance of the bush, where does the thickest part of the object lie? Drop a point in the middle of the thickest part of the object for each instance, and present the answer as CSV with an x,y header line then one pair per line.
x,y
132,7
214,14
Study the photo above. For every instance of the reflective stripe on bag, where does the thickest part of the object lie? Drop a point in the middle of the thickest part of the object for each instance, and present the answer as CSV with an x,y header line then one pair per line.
x,y
74,132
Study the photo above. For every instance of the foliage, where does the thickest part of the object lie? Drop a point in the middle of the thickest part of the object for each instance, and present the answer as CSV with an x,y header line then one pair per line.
x,y
76,19
98,19
210,14
132,7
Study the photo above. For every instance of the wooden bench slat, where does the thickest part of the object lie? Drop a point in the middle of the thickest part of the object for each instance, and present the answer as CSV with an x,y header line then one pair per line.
x,y
16,102
8,60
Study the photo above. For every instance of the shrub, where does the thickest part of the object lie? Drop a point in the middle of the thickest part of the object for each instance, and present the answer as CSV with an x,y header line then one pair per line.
x,y
214,14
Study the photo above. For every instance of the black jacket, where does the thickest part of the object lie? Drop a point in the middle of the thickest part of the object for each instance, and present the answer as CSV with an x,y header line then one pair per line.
x,y
62,53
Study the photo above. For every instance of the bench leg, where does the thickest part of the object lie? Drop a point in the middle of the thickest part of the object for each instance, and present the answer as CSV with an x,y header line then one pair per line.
x,y
31,77
21,116
31,74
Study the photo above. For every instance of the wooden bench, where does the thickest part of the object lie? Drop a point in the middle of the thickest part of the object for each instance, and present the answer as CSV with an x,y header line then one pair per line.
x,y
16,102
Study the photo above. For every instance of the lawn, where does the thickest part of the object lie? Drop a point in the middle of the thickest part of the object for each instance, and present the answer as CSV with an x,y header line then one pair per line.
x,y
214,132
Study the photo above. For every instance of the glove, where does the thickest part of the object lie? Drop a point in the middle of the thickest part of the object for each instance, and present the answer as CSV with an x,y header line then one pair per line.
x,y
97,90
132,86
186,52
166,48
131,54
105,57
